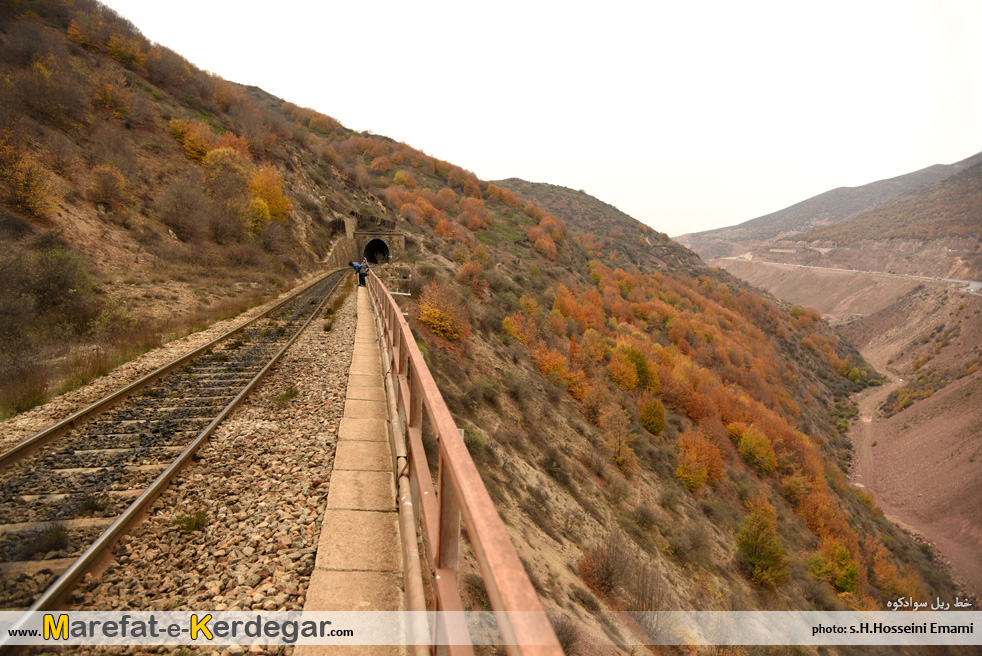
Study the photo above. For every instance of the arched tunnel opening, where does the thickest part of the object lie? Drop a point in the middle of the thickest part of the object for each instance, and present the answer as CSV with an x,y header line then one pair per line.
x,y
376,252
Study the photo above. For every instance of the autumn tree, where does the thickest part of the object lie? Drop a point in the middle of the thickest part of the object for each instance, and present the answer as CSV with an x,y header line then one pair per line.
x,y
25,182
405,178
618,437
699,461
126,50
470,275
194,135
759,542
652,413
442,311
446,199
227,176
756,450
380,165
266,185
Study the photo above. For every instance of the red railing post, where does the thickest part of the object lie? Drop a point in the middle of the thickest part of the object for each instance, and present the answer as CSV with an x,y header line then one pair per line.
x,y
460,496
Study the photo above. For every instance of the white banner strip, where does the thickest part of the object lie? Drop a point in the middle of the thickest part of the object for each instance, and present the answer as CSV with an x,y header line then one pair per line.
x,y
481,628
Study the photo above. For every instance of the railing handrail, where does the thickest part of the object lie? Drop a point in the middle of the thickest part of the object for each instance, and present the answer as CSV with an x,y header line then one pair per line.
x,y
460,493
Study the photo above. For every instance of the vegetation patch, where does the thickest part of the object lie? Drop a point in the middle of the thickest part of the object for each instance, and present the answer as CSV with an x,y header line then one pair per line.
x,y
191,523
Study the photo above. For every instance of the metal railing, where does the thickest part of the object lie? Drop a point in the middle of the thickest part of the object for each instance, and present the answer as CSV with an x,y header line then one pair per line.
x,y
459,494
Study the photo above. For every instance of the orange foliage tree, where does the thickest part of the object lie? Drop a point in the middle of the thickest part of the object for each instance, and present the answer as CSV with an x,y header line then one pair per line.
x,y
442,311
470,275
196,137
699,461
380,164
267,185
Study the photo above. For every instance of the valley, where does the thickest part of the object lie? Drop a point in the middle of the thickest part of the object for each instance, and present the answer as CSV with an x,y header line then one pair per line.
x,y
921,466
909,301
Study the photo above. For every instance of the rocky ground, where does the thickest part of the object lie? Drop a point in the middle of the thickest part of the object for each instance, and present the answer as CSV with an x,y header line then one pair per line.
x,y
261,483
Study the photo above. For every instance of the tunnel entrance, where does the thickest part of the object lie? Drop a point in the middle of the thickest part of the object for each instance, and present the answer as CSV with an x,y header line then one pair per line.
x,y
376,252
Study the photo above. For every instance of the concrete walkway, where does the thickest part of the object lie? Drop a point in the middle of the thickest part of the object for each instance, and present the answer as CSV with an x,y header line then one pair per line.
x,y
359,559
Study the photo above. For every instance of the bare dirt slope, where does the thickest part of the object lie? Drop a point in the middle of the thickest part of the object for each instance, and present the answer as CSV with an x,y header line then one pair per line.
x,y
923,467
836,294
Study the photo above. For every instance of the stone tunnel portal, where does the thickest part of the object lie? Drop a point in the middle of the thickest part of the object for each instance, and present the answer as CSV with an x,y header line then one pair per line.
x,y
376,252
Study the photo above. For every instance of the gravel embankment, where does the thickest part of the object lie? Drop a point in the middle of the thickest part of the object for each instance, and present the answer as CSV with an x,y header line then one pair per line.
x,y
262,483
27,423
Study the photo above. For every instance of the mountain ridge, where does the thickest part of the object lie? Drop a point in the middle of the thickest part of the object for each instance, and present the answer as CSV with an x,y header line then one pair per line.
x,y
828,208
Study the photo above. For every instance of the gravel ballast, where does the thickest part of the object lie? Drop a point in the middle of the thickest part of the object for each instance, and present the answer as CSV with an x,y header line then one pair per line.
x,y
261,482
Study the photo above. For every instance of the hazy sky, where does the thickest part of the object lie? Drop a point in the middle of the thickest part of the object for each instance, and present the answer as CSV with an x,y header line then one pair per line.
x,y
687,115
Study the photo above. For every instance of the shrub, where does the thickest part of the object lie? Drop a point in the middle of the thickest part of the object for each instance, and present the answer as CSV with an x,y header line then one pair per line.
x,y
446,199
475,443
441,310
191,523
652,414
470,275
52,92
284,399
618,437
380,165
759,542
51,537
110,94
607,565
109,187
227,177
554,464
196,137
259,215
185,208
126,51
27,188
323,124
647,593
405,178
267,185
699,461
756,450
568,634
473,584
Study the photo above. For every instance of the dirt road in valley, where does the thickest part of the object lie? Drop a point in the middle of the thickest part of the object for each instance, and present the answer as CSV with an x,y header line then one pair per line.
x,y
925,468
863,434
921,466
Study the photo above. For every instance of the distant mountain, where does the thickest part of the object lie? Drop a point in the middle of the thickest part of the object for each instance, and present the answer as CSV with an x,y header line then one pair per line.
x,y
815,213
950,208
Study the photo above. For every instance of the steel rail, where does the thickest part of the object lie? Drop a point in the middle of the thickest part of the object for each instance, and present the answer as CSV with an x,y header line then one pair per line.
x,y
27,446
460,495
57,591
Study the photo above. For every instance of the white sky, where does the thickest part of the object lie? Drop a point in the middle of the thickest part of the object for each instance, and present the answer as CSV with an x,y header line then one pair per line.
x,y
686,114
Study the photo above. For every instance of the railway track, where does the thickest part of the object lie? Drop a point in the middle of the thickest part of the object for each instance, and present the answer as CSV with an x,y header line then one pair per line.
x,y
69,492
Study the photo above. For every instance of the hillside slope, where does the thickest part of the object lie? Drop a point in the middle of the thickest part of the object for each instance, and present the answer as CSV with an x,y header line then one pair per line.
x,y
951,208
139,196
656,433
826,209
